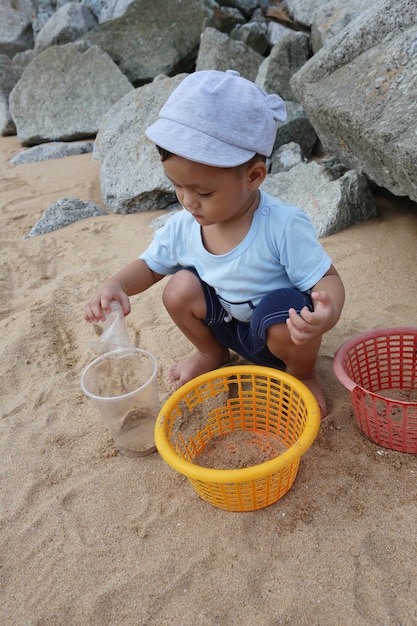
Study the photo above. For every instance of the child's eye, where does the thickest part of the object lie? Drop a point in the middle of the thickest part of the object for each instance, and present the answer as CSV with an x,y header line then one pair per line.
x,y
205,195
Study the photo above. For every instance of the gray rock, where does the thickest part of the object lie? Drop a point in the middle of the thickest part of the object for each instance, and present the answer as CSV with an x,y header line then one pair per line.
x,y
95,6
54,150
45,11
131,174
258,15
67,90
304,11
327,18
24,58
275,32
219,52
331,18
150,37
296,128
245,6
70,22
253,34
62,213
332,205
113,9
287,56
359,94
287,156
229,18
10,73
212,13
16,32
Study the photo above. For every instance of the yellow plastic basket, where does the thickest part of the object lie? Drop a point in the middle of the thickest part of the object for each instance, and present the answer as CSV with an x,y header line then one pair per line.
x,y
243,398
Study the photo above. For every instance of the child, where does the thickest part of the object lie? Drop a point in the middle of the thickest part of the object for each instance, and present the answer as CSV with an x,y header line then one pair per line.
x,y
248,272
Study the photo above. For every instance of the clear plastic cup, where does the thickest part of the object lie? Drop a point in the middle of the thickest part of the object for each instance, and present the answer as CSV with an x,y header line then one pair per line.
x,y
123,386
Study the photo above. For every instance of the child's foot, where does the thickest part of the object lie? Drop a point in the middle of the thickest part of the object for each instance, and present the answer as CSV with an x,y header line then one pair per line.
x,y
315,387
194,365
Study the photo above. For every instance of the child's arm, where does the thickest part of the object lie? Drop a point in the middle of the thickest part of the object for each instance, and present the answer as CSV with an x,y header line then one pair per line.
x,y
328,297
132,279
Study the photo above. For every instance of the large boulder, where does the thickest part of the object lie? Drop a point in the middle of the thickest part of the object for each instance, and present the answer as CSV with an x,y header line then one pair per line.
x,y
68,24
16,33
253,34
10,73
359,94
132,177
67,90
220,52
332,17
245,6
151,37
332,202
304,11
287,56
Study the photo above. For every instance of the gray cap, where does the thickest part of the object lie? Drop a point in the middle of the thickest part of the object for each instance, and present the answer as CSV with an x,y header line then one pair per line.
x,y
218,118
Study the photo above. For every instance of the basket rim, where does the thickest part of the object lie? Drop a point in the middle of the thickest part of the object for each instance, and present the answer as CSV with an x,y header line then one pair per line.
x,y
247,474
344,348
123,350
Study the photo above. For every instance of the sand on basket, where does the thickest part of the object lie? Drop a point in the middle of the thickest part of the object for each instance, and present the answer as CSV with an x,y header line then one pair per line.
x,y
379,368
238,434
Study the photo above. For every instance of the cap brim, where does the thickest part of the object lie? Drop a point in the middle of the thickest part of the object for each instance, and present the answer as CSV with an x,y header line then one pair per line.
x,y
194,145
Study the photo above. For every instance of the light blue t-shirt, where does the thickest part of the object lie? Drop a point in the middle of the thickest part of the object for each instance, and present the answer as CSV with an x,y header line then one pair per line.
x,y
280,250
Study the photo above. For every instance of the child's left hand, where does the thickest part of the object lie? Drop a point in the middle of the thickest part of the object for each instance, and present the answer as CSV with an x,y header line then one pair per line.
x,y
308,325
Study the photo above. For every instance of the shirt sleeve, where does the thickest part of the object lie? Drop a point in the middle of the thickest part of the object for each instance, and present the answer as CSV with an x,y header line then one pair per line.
x,y
301,252
159,255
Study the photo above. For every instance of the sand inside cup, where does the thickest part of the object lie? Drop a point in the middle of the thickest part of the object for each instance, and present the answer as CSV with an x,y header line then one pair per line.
x,y
127,438
124,389
119,375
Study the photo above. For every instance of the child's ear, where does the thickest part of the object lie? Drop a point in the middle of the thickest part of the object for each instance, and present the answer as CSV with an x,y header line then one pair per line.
x,y
256,174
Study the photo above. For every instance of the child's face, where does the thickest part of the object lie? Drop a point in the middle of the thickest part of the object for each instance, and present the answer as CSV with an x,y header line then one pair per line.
x,y
211,194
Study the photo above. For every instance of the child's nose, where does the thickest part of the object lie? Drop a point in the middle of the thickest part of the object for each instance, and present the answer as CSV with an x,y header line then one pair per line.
x,y
190,201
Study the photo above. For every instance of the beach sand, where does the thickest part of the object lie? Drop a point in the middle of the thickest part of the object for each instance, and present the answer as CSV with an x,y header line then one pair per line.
x,y
89,537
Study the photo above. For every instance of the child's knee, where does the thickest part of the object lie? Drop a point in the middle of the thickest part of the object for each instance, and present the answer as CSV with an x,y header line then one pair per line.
x,y
180,287
278,340
278,334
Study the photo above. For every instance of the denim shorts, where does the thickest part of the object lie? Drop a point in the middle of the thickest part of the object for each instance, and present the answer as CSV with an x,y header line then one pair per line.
x,y
249,338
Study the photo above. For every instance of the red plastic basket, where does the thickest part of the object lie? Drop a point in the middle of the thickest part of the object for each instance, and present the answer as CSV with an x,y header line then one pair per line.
x,y
372,364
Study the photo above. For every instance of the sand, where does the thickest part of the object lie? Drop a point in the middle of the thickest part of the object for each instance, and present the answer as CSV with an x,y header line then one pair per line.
x,y
90,537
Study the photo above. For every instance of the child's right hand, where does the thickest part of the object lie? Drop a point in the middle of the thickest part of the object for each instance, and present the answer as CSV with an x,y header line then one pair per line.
x,y
98,306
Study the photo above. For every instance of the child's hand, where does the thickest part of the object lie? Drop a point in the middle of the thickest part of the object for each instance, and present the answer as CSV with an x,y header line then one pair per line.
x,y
98,306
308,324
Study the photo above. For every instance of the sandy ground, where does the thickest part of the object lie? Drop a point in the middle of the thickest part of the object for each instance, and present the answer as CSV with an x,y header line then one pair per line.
x,y
90,537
